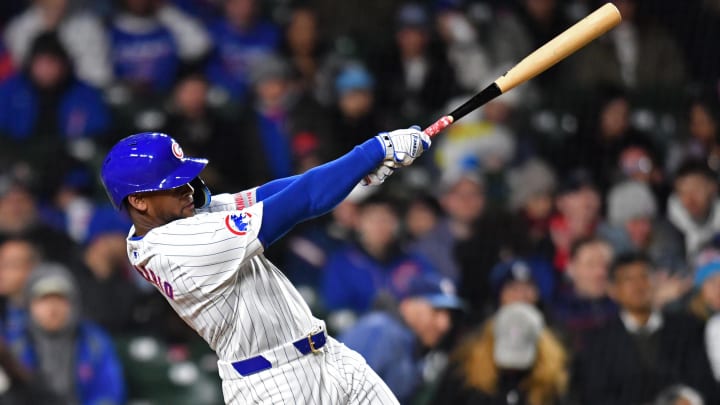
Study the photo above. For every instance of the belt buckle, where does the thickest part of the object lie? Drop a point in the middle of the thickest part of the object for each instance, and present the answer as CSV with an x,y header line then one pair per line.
x,y
312,345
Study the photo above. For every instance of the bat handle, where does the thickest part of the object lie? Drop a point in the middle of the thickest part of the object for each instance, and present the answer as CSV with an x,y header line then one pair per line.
x,y
438,125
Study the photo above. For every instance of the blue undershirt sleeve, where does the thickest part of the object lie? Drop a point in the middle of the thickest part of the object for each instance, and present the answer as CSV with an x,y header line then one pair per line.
x,y
272,187
316,191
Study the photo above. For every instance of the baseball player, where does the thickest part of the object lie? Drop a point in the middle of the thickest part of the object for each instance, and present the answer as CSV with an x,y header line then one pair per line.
x,y
205,255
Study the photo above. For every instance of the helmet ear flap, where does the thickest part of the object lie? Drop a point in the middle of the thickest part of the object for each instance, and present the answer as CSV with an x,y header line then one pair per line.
x,y
201,195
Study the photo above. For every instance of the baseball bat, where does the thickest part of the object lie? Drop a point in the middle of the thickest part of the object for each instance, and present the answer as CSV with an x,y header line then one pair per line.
x,y
592,26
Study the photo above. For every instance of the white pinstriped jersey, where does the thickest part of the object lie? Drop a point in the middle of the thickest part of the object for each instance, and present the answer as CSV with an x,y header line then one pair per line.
x,y
211,270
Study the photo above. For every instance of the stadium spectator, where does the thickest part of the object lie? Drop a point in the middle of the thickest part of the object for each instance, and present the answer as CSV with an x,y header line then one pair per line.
x,y
641,350
375,268
523,27
204,131
416,81
270,124
44,108
693,208
19,218
418,325
606,132
517,280
462,200
355,114
151,41
18,258
633,224
241,39
107,283
512,359
581,304
531,186
577,201
311,244
304,47
471,61
703,301
81,33
472,220
72,358
637,54
699,140
422,215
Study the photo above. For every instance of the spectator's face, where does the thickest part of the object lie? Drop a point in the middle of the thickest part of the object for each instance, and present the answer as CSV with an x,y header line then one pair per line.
x,y
106,254
190,96
420,219
164,206
17,210
588,269
356,103
50,312
702,125
271,92
411,41
377,226
580,207
614,120
429,324
541,10
17,259
465,201
47,70
346,214
302,31
632,288
519,291
639,230
710,292
539,206
696,193
240,12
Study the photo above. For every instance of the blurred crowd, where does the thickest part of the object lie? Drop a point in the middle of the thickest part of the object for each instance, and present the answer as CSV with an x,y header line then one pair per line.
x,y
561,245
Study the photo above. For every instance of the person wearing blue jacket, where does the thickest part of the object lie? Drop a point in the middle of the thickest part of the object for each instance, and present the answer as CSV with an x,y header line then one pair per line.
x,y
241,40
373,269
73,361
45,108
46,98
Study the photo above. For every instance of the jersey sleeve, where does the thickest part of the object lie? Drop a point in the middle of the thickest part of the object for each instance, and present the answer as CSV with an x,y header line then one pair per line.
x,y
211,245
231,202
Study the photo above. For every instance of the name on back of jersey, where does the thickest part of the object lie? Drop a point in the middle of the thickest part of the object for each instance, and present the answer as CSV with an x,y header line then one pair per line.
x,y
154,279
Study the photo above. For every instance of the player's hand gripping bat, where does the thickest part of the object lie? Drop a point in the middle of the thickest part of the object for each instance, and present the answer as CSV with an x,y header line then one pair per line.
x,y
592,26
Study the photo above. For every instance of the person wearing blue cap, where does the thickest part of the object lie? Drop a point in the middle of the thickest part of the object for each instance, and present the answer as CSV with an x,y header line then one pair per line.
x,y
355,109
392,342
704,300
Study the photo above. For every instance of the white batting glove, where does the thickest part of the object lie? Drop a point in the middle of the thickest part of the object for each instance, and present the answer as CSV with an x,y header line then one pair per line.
x,y
403,146
378,176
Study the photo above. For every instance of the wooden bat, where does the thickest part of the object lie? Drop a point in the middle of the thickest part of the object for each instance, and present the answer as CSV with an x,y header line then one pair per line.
x,y
592,26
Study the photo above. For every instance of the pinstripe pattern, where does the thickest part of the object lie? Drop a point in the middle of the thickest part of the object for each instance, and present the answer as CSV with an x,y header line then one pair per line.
x,y
336,376
241,304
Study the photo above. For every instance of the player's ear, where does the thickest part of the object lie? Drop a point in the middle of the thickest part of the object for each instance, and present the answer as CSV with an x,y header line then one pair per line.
x,y
138,202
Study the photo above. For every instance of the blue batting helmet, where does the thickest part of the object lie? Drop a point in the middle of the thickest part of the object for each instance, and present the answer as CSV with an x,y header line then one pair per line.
x,y
151,161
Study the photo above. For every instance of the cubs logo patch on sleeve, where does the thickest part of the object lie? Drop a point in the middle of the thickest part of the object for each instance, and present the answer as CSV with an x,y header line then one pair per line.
x,y
237,223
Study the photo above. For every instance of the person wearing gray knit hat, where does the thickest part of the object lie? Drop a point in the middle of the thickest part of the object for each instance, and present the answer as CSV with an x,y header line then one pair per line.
x,y
72,360
630,200
633,224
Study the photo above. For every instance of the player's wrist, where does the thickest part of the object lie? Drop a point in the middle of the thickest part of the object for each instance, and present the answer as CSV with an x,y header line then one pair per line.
x,y
373,149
